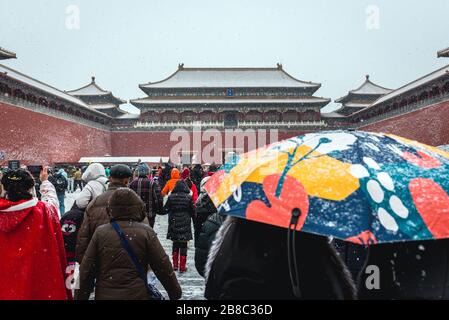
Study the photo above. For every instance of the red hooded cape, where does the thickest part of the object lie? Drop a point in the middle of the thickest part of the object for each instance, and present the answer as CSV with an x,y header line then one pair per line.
x,y
32,257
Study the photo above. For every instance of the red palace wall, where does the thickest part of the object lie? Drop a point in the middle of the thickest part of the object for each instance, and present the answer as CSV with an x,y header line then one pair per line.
x,y
35,138
429,125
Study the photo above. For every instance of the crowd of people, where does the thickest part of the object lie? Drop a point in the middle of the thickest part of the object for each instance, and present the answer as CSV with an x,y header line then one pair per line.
x,y
109,232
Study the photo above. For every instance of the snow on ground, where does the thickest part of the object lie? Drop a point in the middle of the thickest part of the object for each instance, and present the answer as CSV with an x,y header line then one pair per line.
x,y
191,282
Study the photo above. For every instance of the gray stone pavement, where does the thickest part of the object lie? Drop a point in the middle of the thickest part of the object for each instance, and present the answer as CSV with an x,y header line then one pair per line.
x,y
191,282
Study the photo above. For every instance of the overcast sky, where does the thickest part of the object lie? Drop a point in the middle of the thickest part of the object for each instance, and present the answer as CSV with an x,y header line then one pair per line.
x,y
126,43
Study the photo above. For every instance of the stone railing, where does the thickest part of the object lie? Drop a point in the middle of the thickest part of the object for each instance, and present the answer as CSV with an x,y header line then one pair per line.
x,y
150,125
282,124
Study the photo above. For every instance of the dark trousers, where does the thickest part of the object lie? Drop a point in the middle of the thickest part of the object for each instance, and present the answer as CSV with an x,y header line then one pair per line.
x,y
180,246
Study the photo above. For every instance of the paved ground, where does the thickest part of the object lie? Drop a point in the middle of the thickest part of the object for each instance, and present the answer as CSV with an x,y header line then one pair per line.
x,y
191,282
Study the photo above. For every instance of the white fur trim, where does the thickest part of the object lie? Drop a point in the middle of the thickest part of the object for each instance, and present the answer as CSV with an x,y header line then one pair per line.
x,y
24,205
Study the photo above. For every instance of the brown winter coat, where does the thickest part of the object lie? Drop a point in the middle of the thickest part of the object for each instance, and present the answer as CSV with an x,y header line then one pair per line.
x,y
95,216
108,267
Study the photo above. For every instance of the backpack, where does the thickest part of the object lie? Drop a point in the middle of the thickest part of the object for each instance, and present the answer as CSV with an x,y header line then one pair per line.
x,y
60,183
70,224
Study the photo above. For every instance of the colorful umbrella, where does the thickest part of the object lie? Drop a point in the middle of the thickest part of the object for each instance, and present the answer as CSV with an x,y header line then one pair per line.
x,y
358,186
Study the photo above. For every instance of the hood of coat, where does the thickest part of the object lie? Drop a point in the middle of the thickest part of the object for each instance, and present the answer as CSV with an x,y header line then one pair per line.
x,y
125,204
185,173
175,174
93,172
62,172
13,213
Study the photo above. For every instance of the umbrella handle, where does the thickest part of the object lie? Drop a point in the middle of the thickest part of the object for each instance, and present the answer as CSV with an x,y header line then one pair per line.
x,y
291,252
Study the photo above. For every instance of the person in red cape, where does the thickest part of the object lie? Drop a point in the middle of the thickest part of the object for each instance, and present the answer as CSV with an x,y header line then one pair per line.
x,y
33,261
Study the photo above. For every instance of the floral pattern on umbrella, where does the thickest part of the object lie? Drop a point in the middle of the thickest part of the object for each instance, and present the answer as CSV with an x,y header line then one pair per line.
x,y
363,187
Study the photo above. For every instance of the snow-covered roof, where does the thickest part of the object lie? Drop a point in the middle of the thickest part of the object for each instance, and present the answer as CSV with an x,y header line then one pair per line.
x,y
443,53
367,88
357,105
332,115
305,99
150,159
20,77
229,78
413,85
129,116
93,90
5,54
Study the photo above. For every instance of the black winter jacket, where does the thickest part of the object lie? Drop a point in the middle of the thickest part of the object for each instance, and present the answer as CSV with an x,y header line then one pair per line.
x,y
205,239
249,260
180,211
410,270
204,208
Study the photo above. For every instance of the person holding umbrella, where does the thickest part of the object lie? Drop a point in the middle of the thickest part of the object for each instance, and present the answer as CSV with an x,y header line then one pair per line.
x,y
364,188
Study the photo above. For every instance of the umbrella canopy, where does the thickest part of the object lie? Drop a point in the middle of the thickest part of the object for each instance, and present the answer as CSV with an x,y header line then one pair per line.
x,y
358,186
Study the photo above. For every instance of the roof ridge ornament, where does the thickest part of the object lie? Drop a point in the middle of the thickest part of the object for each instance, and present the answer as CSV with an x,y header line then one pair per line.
x,y
279,65
180,66
367,77
93,79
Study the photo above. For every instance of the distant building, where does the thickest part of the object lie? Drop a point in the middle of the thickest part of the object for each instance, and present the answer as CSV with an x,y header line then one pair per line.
x,y
99,99
42,124
231,97
361,98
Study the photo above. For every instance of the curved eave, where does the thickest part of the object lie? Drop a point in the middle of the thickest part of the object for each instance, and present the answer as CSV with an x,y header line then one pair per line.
x,y
99,99
369,82
443,53
5,54
351,96
99,94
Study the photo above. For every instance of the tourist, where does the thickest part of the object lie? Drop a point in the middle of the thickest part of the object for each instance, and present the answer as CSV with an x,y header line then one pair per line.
x,y
204,207
70,179
197,175
157,178
96,184
148,191
180,211
60,183
212,169
107,171
206,224
166,173
185,175
170,184
96,213
30,240
107,266
78,181
205,239
249,260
